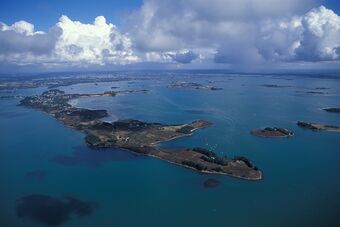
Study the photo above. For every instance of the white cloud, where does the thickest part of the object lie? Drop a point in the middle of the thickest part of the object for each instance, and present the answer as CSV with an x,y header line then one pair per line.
x,y
277,40
184,32
21,45
239,32
97,43
321,36
312,37
67,43
180,57
21,27
167,25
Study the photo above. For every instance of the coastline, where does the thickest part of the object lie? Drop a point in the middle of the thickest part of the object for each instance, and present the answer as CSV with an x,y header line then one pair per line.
x,y
208,172
137,136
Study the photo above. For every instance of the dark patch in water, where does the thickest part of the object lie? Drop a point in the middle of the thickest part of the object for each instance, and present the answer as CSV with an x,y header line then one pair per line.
x,y
316,92
94,157
51,211
211,183
312,92
10,114
321,88
275,86
7,97
197,112
38,174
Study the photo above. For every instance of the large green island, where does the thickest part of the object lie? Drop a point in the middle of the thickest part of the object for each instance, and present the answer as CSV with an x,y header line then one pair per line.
x,y
137,136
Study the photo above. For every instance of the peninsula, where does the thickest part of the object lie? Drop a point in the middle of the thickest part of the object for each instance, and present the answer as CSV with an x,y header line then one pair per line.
x,y
318,127
54,82
138,136
332,109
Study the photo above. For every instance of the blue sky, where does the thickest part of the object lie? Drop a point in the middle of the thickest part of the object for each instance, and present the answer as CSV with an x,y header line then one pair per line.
x,y
250,35
332,4
44,14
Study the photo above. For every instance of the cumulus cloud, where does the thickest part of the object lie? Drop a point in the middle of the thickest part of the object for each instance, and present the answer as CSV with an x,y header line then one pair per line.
x,y
181,56
21,27
183,33
96,43
320,37
67,43
184,57
20,44
238,32
165,25
312,37
277,40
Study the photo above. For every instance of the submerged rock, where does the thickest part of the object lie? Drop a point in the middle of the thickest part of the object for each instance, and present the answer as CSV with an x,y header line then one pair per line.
x,y
211,183
50,211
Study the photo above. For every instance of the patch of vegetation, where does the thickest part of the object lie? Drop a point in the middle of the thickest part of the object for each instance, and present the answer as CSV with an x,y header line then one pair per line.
x,y
217,160
204,151
197,166
246,161
92,139
185,130
217,169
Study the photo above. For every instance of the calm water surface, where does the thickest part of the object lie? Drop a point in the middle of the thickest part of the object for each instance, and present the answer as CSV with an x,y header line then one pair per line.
x,y
301,174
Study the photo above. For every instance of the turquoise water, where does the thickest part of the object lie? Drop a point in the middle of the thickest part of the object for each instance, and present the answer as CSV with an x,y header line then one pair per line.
x,y
300,185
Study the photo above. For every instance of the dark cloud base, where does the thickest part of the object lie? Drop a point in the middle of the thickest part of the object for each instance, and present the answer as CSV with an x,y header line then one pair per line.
x,y
51,211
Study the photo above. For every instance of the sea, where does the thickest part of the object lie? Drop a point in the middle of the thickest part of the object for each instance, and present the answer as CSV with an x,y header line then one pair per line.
x,y
40,158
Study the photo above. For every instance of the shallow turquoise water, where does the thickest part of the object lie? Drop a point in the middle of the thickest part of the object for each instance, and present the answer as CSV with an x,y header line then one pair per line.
x,y
300,185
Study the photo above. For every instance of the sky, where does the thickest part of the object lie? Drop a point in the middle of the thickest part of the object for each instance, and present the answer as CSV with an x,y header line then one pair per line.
x,y
243,35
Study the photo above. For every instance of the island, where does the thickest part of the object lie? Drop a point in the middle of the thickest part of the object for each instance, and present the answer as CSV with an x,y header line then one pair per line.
x,y
275,86
316,92
137,136
318,127
321,88
193,85
332,109
272,132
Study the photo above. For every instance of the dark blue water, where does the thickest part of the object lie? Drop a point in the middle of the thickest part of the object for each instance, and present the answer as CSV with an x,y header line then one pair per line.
x,y
301,181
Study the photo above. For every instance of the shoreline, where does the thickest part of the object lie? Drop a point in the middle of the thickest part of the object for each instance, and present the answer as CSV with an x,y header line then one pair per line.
x,y
207,172
179,136
137,136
